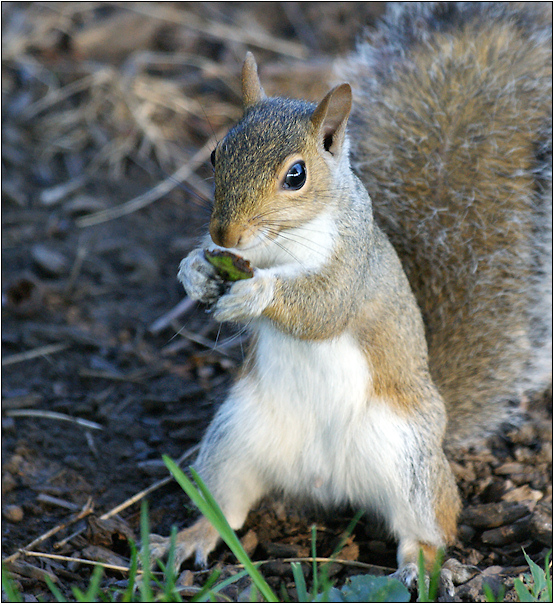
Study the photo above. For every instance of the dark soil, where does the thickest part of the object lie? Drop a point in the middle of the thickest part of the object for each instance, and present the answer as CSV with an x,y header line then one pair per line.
x,y
83,303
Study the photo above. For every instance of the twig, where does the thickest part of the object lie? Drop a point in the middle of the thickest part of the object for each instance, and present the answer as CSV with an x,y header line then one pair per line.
x,y
85,423
82,252
91,444
87,509
310,560
161,189
124,569
33,354
206,342
338,561
44,498
60,94
184,306
135,376
244,35
53,195
188,453
24,401
127,503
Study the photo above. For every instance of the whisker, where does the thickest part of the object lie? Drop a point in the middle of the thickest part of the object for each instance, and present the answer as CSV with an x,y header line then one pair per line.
x,y
292,231
216,342
286,250
295,238
177,333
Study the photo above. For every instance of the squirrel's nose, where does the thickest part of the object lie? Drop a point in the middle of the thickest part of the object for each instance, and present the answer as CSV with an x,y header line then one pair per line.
x,y
225,235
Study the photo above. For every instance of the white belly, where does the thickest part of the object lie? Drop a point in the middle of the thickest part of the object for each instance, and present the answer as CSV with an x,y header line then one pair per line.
x,y
309,424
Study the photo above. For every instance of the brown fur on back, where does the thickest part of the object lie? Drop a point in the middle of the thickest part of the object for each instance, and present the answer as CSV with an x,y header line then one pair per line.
x,y
451,135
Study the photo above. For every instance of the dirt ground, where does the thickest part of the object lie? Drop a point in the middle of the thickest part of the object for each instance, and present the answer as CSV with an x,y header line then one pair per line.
x,y
104,367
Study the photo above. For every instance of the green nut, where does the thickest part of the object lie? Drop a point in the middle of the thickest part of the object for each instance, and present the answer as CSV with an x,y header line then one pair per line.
x,y
230,267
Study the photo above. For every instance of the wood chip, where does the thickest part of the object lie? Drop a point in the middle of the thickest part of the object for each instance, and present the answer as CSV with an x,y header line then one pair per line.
x,y
104,555
250,542
29,570
541,523
105,532
493,515
523,493
507,534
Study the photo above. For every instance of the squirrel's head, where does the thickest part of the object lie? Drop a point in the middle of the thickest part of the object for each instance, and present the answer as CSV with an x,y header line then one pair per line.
x,y
280,166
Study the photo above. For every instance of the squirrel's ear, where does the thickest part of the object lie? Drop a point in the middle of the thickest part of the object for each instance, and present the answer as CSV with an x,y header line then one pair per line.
x,y
331,115
252,91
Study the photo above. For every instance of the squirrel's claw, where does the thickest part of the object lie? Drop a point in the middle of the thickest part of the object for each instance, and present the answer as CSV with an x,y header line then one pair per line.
x,y
200,278
246,299
452,573
198,540
407,574
159,547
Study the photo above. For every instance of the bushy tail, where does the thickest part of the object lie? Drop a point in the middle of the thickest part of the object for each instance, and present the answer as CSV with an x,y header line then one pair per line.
x,y
452,136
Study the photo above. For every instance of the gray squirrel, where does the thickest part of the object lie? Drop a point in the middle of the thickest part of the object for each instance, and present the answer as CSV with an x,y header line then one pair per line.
x,y
383,328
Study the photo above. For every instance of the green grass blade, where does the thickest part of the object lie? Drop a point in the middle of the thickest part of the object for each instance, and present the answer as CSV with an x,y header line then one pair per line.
x,y
523,593
128,593
220,586
490,596
539,579
315,587
10,589
300,582
79,594
94,585
209,507
547,563
206,592
434,579
145,584
253,594
170,576
54,589
349,530
93,590
325,584
422,588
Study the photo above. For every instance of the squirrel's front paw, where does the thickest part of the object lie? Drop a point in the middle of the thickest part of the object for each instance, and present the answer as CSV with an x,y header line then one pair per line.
x,y
200,278
246,299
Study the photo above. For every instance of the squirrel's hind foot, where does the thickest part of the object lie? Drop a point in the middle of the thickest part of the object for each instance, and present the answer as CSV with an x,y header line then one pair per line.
x,y
198,540
452,573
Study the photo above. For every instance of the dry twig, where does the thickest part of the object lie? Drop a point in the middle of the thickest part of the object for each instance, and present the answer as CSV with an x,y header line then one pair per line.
x,y
33,354
87,509
85,423
184,306
221,31
135,498
152,195
124,569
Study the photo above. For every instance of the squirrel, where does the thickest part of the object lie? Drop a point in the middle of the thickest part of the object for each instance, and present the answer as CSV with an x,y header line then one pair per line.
x,y
385,326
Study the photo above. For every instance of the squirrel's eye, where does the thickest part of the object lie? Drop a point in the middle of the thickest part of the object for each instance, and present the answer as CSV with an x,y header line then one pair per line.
x,y
212,158
296,176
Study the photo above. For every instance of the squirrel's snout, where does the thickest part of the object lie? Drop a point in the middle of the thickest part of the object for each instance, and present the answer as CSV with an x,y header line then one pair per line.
x,y
225,235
